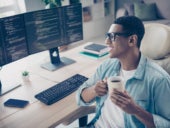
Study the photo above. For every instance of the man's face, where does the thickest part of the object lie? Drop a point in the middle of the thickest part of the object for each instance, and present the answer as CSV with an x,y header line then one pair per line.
x,y
117,41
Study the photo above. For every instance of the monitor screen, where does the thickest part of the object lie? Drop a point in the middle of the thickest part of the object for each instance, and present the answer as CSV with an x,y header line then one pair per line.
x,y
73,29
46,29
13,44
43,30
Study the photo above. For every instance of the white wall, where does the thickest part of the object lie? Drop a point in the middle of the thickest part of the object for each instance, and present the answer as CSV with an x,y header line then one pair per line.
x,y
100,23
33,5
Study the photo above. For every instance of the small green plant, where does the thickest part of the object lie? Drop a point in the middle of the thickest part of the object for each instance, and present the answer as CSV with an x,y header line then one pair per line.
x,y
58,3
53,3
25,73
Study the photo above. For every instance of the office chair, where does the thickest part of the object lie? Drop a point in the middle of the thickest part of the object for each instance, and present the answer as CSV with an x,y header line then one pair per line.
x,y
155,45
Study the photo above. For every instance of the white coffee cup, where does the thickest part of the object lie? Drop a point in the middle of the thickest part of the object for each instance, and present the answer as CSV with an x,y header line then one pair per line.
x,y
115,82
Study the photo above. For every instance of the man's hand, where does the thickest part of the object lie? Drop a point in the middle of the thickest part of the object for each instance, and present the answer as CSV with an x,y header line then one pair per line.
x,y
101,88
127,104
124,101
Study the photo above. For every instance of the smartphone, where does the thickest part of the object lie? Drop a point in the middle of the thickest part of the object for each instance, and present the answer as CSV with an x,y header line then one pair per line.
x,y
16,103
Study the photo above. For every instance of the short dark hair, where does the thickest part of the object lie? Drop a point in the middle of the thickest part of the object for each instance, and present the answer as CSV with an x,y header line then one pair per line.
x,y
132,25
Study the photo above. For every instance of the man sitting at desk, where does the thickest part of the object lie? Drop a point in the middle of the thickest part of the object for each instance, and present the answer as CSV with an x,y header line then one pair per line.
x,y
145,101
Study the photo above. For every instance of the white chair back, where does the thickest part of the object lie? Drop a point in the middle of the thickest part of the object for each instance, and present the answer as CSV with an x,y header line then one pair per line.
x,y
156,44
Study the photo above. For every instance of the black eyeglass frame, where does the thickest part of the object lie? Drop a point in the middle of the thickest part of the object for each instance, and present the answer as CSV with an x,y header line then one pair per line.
x,y
112,35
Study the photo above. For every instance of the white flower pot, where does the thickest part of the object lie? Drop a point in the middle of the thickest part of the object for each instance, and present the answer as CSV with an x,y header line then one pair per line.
x,y
26,78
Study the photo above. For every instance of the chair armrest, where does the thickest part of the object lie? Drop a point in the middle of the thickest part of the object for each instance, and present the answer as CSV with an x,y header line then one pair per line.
x,y
81,112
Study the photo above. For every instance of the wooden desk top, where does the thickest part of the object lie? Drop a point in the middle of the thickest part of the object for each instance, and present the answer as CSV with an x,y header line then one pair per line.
x,y
37,114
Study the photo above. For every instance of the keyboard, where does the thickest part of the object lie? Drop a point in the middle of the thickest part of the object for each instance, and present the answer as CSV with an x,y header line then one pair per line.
x,y
61,90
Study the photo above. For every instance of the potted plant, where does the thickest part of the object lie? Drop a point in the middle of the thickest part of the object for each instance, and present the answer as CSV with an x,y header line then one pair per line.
x,y
52,3
25,75
57,3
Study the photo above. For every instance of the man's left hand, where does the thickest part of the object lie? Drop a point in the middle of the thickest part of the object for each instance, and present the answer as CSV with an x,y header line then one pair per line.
x,y
124,101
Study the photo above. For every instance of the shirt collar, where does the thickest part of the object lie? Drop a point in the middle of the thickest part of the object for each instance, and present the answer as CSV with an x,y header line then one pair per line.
x,y
117,68
140,71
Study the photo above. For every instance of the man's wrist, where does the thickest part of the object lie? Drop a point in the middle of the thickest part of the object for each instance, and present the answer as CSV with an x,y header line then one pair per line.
x,y
94,91
137,111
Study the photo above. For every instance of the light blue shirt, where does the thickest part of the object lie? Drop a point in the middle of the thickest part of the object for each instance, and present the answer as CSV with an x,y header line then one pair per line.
x,y
149,88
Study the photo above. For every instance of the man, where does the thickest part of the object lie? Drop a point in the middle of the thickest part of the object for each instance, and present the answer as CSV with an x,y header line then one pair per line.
x,y
145,101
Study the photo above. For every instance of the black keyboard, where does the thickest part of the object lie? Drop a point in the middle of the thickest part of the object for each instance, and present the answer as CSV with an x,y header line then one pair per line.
x,y
61,90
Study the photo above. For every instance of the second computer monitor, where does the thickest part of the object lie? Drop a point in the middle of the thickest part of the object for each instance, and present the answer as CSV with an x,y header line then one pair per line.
x,y
48,29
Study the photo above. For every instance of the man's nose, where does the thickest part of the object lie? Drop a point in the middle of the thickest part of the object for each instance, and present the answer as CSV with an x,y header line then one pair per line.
x,y
107,41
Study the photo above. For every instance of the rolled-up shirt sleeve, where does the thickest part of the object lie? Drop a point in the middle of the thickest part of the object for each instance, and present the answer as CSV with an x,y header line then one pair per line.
x,y
79,99
161,122
162,104
90,82
98,75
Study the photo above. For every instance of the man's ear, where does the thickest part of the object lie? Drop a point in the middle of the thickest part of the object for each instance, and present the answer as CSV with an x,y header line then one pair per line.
x,y
133,40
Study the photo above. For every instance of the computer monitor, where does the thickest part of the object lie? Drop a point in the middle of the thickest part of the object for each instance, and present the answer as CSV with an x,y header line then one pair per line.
x,y
13,46
50,28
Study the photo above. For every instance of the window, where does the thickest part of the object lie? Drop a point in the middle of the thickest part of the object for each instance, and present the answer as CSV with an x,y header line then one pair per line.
x,y
11,7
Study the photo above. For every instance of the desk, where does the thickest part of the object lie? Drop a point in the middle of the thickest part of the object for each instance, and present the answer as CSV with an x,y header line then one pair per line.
x,y
37,114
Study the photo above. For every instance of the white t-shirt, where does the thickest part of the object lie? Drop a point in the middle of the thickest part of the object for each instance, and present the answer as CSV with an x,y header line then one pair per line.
x,y
111,115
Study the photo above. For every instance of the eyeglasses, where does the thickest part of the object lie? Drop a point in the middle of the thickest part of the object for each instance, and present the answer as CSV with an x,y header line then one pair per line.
x,y
112,35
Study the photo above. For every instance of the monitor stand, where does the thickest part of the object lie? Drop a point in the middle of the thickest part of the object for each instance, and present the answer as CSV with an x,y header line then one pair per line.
x,y
56,61
7,88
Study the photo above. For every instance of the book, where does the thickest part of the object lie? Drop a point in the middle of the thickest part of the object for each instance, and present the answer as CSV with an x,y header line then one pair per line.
x,y
91,55
96,49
